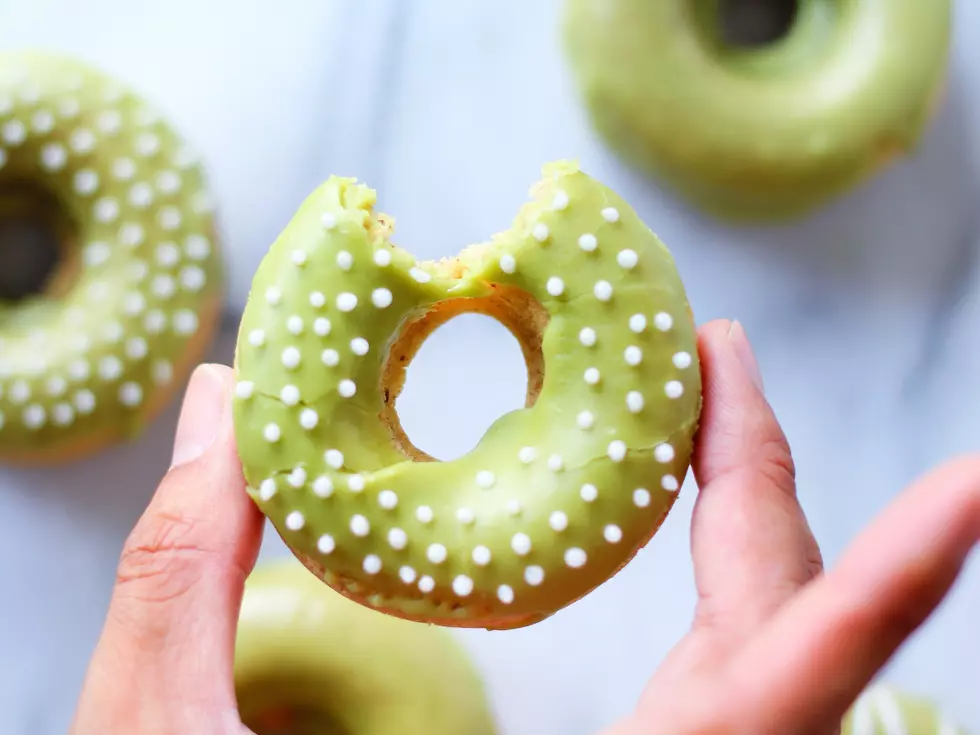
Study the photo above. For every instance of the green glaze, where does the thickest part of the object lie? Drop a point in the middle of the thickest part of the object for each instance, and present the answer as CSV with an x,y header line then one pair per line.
x,y
309,661
883,710
142,274
753,133
556,497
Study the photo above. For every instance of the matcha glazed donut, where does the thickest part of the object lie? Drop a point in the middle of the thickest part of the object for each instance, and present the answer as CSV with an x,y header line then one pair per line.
x,y
93,350
883,710
767,131
557,496
308,660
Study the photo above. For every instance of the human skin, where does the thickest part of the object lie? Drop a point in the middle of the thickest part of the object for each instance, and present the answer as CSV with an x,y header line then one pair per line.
x,y
777,644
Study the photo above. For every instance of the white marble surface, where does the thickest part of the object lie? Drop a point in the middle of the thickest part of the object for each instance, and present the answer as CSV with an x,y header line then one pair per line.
x,y
865,316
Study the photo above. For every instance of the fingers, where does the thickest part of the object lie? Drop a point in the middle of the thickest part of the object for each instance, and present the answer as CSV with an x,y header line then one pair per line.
x,y
826,645
751,544
168,642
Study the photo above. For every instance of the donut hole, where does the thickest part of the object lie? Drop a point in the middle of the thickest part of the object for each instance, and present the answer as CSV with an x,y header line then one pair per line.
x,y
468,368
293,720
35,240
755,23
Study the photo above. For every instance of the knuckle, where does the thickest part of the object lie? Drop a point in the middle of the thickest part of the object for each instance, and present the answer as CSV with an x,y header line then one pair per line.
x,y
775,463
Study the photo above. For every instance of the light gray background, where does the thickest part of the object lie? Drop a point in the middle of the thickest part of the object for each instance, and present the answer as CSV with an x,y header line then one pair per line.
x,y
865,316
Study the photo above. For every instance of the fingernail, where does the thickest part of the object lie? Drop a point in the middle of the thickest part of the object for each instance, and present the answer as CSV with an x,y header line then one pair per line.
x,y
743,350
200,416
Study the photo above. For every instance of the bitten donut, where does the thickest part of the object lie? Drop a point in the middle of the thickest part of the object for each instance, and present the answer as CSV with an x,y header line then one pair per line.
x,y
111,277
883,710
759,130
557,496
307,660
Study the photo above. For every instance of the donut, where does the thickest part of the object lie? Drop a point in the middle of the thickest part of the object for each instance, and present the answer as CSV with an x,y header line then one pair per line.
x,y
112,279
308,660
557,496
748,130
884,710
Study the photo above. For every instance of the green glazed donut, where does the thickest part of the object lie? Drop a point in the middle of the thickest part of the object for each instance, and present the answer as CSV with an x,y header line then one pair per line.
x,y
557,496
767,131
883,710
310,662
91,351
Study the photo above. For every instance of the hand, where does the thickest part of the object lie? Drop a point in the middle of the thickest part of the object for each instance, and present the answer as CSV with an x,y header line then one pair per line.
x,y
775,645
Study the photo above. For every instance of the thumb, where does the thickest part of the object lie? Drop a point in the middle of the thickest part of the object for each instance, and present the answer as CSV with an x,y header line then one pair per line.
x,y
167,648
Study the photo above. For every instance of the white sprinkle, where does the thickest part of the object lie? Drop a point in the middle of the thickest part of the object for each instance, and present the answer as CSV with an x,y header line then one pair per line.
x,y
185,322
346,302
674,389
587,336
355,483
110,368
346,388
20,392
14,132
372,564
43,122
124,169
317,300
397,539
328,220
134,303
663,453
163,286
592,376
534,575
424,514
56,386
334,458
588,243
345,260
633,355
106,210
330,357
256,338
627,259
297,478
359,525
289,395
197,247
147,144
382,257
514,507
381,298
560,201
669,483
465,516
612,533
294,325
359,346
86,182
521,544
610,214
130,394
61,413
558,521
634,401
407,574
427,584
481,555
485,479
323,487
575,558
141,195
663,321
507,263
271,433
131,234
585,420
85,402
295,521
540,232
419,275
54,156
325,544
616,450
267,489
168,182
388,499
273,296
34,417
555,286
556,463
505,594
638,323
299,258
290,358
309,418
681,360
321,326
526,455
603,290
436,553
163,372
96,253
462,585
641,497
